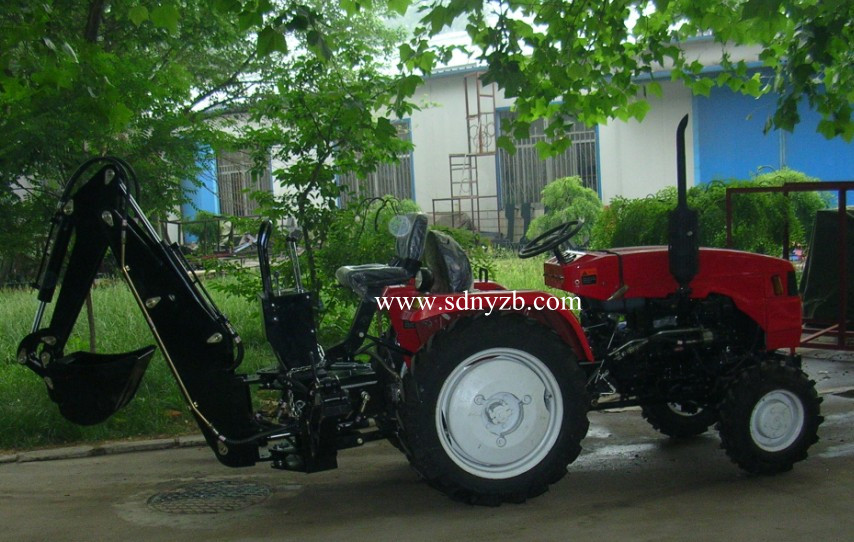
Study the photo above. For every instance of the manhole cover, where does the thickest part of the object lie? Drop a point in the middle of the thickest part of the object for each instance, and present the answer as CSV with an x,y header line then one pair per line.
x,y
209,497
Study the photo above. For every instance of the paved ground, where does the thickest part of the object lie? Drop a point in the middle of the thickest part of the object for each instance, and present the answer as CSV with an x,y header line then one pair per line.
x,y
630,483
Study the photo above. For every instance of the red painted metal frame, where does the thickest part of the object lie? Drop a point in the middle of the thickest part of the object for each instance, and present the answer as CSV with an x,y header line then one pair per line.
x,y
416,325
643,272
813,330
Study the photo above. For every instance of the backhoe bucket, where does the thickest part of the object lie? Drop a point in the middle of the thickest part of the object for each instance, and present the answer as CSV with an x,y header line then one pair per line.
x,y
89,388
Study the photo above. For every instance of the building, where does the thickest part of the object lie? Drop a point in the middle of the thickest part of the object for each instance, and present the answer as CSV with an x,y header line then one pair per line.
x,y
457,174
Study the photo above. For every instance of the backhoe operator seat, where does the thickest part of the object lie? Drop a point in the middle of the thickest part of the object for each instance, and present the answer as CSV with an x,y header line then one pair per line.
x,y
369,280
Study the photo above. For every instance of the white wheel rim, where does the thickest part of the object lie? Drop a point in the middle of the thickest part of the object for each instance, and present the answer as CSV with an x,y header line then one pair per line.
x,y
777,420
499,413
679,409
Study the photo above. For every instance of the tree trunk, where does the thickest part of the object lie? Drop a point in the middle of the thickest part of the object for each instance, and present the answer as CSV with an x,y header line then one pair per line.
x,y
93,23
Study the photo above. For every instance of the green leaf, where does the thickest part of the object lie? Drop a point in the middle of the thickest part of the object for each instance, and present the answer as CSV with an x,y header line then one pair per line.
x,y
249,19
755,9
227,6
399,6
544,149
703,86
521,129
317,43
506,142
351,7
654,88
120,116
405,52
437,18
269,40
638,109
166,17
408,85
138,15
826,128
385,130
753,86
426,61
299,22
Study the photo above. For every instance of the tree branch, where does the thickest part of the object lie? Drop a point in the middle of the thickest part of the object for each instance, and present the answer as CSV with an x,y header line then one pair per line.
x,y
93,23
228,81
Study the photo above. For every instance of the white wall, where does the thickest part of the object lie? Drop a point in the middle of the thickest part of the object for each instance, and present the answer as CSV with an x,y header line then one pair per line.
x,y
638,159
438,130
635,159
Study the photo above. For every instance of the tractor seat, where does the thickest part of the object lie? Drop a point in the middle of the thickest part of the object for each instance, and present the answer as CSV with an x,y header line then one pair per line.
x,y
368,280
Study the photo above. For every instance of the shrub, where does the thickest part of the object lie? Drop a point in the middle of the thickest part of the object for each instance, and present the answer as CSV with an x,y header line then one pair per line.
x,y
757,224
567,199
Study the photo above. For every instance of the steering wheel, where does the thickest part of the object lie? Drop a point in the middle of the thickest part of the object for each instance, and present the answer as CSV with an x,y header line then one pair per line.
x,y
551,239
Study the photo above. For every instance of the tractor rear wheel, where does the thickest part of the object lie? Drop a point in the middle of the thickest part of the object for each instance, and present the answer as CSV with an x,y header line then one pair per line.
x,y
769,418
495,410
679,420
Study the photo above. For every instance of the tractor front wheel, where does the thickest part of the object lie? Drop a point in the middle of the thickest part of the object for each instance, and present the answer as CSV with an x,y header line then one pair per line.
x,y
769,418
496,409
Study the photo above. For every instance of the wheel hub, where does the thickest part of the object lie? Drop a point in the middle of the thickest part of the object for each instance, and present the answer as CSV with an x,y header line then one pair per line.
x,y
777,420
503,412
499,413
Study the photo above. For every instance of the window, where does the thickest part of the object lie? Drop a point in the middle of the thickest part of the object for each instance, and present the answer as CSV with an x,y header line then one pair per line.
x,y
237,179
393,178
524,175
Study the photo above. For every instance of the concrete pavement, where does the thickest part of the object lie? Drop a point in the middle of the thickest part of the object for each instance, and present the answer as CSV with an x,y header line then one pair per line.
x,y
629,483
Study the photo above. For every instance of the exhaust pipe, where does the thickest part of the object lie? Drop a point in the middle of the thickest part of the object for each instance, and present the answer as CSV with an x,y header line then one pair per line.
x,y
684,244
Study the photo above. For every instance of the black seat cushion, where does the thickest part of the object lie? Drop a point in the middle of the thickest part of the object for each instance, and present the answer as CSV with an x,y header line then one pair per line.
x,y
369,280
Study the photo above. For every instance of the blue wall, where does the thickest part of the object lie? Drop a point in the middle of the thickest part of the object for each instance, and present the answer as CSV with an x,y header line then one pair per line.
x,y
729,143
204,197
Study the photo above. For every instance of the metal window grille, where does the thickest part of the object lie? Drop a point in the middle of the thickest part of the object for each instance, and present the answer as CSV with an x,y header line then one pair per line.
x,y
524,174
237,178
388,179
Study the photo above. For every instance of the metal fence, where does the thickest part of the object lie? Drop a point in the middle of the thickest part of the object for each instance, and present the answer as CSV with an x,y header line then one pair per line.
x,y
237,178
524,174
387,180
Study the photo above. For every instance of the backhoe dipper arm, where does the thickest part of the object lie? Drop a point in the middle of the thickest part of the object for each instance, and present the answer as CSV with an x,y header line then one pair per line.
x,y
198,343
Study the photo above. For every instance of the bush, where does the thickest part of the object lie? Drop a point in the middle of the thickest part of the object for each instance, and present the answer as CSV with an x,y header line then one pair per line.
x,y
361,233
757,224
567,199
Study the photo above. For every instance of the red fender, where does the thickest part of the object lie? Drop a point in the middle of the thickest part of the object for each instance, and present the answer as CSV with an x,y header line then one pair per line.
x,y
417,317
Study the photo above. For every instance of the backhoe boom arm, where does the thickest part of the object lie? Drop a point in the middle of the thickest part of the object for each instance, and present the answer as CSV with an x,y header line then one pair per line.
x,y
198,343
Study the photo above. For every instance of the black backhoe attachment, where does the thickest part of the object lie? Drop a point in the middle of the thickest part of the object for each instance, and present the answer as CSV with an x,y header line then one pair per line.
x,y
199,345
326,398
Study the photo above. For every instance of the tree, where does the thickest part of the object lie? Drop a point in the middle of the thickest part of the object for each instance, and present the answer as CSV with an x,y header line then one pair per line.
x,y
320,118
567,199
129,78
137,79
581,59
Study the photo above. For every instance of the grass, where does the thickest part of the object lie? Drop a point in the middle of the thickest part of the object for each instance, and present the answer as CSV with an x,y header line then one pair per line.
x,y
29,419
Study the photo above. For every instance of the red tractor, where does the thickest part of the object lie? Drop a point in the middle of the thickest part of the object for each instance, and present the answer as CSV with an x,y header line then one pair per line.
x,y
486,391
